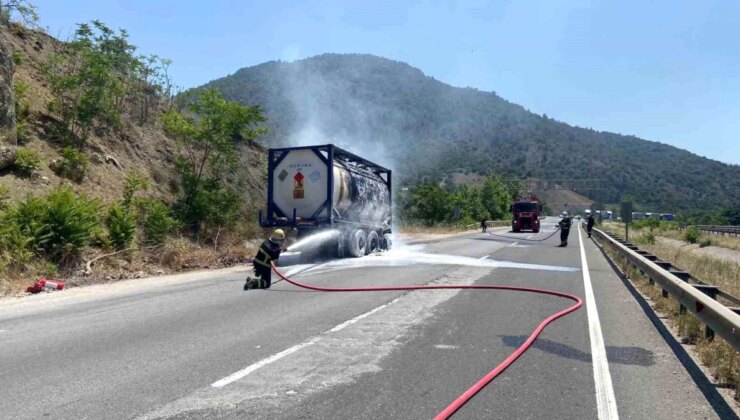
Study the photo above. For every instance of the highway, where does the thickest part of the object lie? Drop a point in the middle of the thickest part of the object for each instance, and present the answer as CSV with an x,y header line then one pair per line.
x,y
198,346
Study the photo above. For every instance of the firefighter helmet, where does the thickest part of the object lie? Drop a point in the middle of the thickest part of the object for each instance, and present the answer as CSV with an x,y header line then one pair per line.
x,y
278,235
565,213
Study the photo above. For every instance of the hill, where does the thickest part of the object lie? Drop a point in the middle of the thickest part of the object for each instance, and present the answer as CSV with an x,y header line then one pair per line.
x,y
135,146
428,130
92,171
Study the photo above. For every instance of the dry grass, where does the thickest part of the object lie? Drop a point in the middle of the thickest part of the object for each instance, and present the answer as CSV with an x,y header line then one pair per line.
x,y
729,242
177,255
723,273
719,357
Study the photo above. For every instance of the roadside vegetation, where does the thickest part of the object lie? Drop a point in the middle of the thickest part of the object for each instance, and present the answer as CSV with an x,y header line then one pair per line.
x,y
433,205
98,89
722,360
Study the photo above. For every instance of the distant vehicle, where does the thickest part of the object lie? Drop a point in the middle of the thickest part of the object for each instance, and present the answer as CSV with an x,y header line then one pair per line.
x,y
578,217
324,188
526,214
607,215
638,216
666,216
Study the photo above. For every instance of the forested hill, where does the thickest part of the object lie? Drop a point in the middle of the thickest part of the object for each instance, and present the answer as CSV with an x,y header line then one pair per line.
x,y
430,130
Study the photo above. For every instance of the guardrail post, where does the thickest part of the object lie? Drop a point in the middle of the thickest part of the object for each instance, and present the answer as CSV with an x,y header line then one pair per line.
x,y
685,277
710,291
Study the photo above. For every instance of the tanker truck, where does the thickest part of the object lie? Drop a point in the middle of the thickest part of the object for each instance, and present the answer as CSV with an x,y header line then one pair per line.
x,y
325,189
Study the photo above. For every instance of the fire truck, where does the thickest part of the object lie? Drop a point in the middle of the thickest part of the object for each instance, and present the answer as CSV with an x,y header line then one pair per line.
x,y
526,214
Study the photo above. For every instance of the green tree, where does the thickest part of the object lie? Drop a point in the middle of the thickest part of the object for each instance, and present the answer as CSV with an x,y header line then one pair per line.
x,y
469,201
430,204
496,198
24,9
207,157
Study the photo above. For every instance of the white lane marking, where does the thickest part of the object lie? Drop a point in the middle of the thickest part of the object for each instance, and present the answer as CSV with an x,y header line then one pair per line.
x,y
606,403
530,236
264,362
277,356
445,346
345,324
484,257
514,244
2,331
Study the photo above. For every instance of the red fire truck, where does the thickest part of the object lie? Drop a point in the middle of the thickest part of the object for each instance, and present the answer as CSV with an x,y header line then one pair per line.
x,y
526,214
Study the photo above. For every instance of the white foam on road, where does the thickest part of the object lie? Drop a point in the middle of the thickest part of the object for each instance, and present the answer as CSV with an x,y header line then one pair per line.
x,y
606,402
414,256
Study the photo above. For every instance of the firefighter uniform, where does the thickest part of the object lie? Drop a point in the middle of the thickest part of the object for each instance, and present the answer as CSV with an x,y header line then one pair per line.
x,y
590,224
269,252
564,224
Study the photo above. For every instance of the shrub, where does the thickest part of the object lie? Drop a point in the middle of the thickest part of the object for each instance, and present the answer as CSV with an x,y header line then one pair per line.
x,y
22,111
4,197
73,164
691,235
68,223
56,226
705,243
17,58
27,162
158,222
17,248
121,226
647,238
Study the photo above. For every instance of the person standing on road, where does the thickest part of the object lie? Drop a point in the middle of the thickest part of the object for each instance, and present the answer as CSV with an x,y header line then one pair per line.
x,y
269,252
564,225
590,224
484,225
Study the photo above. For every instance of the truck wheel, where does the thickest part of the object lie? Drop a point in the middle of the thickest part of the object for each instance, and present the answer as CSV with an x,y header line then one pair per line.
x,y
373,243
357,243
387,242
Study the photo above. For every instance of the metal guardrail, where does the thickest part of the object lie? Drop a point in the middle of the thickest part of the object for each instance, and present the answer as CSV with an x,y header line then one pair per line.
x,y
717,229
699,299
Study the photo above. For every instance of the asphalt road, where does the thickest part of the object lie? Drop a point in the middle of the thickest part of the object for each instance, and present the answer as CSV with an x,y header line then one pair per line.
x,y
197,346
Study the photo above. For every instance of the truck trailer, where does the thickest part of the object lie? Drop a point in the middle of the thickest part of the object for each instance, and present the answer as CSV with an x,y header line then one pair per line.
x,y
324,188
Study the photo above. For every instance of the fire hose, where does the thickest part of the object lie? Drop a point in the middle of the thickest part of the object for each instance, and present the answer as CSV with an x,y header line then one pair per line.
x,y
485,380
524,239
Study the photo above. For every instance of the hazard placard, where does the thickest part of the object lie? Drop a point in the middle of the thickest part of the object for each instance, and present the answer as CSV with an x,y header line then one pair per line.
x,y
298,191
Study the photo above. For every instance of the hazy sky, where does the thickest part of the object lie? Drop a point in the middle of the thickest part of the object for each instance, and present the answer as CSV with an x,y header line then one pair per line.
x,y
665,70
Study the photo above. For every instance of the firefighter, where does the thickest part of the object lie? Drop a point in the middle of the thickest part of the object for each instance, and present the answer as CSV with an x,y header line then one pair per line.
x,y
590,224
269,252
564,225
484,225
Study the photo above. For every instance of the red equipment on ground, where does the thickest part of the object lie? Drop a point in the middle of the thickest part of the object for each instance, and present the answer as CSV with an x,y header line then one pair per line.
x,y
526,214
42,284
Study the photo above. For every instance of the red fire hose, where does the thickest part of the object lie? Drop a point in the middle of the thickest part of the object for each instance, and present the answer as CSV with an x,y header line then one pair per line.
x,y
467,395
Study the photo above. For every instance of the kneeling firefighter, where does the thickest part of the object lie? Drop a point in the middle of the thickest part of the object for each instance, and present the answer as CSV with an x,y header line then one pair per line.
x,y
564,225
269,252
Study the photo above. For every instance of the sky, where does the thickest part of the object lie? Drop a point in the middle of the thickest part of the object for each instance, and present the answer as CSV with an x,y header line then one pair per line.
x,y
662,70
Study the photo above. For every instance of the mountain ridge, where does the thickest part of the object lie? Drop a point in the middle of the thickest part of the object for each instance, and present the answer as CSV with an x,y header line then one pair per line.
x,y
386,108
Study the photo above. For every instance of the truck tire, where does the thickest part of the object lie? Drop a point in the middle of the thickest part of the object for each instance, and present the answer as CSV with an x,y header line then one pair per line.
x,y
357,243
373,243
387,242
537,228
